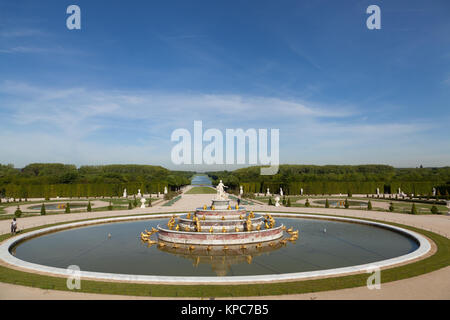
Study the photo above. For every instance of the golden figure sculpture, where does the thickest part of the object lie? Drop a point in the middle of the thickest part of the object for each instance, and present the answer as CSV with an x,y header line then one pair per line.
x,y
211,230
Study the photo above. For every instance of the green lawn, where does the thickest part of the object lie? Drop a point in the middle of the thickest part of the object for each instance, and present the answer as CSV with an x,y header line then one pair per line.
x,y
201,190
439,260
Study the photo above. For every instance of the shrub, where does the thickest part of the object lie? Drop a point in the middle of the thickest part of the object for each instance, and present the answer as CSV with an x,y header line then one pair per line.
x,y
346,204
89,208
288,204
18,212
284,201
327,204
67,208
110,207
149,202
391,207
434,210
413,209
307,204
349,193
130,206
43,212
270,202
369,205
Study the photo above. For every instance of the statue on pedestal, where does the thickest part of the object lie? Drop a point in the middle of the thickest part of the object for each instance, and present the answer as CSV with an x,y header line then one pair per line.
x,y
139,193
241,191
142,203
281,192
220,191
125,192
165,190
268,192
277,201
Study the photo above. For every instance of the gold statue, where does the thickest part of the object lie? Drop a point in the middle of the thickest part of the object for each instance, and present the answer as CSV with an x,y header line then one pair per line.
x,y
188,215
211,230
204,207
236,229
177,228
258,227
224,230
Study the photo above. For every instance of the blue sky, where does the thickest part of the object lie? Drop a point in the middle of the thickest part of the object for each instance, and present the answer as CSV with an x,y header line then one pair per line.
x,y
114,91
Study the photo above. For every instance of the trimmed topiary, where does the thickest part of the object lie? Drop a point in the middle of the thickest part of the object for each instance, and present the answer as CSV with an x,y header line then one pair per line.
x,y
18,212
288,204
413,209
434,210
327,204
89,208
346,204
67,208
130,206
391,207
43,212
369,205
307,204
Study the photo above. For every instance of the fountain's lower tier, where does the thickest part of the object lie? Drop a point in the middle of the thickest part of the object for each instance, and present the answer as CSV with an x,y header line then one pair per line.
x,y
226,238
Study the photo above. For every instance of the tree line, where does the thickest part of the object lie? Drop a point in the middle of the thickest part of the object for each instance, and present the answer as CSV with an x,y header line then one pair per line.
x,y
335,179
48,180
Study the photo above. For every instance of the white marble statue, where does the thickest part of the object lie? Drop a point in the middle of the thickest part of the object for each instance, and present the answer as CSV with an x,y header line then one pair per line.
x,y
268,192
165,190
448,206
434,192
241,191
399,191
301,191
281,192
378,191
142,203
277,201
220,191
139,195
125,192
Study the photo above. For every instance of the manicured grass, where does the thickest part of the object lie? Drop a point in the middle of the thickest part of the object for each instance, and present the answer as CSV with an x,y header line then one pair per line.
x,y
201,190
439,260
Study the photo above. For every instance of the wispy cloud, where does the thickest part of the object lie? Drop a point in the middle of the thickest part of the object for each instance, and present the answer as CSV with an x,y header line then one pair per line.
x,y
113,125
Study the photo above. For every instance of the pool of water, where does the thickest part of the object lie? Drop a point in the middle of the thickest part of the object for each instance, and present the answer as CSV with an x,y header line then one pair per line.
x,y
200,180
59,206
342,244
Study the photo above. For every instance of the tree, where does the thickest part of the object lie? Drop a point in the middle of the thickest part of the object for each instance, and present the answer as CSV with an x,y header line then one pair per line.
x,y
327,204
89,208
434,210
288,204
307,204
346,204
18,212
391,207
150,201
43,212
130,206
369,205
67,208
413,209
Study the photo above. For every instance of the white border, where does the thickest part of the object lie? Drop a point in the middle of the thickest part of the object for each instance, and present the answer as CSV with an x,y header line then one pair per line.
x,y
6,256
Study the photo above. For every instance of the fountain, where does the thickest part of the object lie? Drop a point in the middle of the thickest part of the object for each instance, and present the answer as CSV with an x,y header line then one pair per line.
x,y
220,224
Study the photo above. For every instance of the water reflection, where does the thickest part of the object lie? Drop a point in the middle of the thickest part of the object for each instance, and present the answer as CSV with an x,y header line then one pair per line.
x,y
221,258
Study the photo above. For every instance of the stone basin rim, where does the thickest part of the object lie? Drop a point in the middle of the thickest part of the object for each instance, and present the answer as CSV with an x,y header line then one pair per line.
x,y
7,257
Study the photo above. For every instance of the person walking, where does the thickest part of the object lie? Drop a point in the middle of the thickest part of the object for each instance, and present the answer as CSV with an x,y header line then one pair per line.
x,y
14,226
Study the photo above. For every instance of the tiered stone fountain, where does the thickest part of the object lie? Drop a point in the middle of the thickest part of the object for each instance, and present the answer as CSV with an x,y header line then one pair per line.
x,y
220,224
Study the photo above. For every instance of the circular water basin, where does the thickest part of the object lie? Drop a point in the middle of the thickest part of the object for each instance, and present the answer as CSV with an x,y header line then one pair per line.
x,y
116,248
